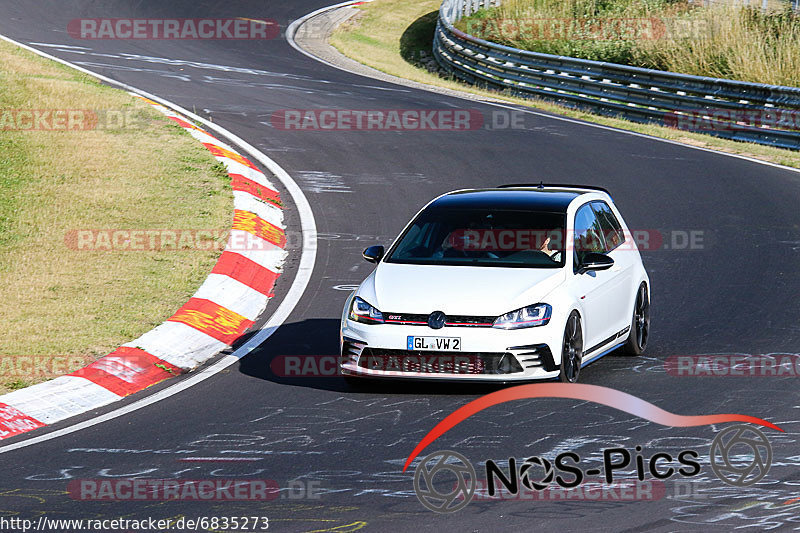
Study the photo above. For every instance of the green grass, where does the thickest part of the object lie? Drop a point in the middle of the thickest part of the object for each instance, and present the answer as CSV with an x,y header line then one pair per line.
x,y
12,157
17,384
723,41
56,300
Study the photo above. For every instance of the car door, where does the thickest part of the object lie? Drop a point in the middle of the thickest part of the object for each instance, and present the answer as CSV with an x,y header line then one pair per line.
x,y
595,290
621,281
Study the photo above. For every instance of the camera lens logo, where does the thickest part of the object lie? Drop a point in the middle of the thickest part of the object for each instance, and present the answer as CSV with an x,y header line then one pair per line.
x,y
730,455
446,464
544,464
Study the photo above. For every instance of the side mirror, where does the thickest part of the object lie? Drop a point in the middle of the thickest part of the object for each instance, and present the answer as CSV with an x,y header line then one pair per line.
x,y
595,261
373,254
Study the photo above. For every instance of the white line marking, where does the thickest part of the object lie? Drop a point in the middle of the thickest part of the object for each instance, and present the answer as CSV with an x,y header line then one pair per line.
x,y
292,29
305,268
218,459
50,45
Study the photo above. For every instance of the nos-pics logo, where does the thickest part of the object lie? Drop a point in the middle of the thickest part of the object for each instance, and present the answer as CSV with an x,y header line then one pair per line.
x,y
446,481
454,472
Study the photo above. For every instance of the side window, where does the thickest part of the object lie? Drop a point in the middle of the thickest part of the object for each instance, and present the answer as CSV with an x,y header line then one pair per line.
x,y
588,234
610,226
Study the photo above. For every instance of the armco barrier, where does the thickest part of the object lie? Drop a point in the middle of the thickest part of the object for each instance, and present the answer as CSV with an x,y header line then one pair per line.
x,y
752,112
222,309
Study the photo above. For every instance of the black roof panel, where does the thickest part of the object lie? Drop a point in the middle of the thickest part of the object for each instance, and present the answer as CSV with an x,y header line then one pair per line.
x,y
532,199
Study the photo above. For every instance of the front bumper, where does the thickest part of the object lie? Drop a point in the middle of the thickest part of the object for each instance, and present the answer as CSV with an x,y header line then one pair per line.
x,y
487,354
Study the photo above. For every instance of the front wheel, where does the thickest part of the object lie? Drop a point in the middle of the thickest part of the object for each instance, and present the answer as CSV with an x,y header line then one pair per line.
x,y
640,324
572,350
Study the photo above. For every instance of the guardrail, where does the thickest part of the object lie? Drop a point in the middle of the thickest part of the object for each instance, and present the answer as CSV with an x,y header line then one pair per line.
x,y
751,112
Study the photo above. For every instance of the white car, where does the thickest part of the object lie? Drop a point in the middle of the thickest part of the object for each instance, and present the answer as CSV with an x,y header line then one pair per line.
x,y
518,282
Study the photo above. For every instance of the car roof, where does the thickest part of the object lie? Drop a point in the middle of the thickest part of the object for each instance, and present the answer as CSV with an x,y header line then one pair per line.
x,y
517,197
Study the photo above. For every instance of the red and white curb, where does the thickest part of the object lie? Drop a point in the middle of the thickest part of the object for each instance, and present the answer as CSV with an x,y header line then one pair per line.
x,y
220,312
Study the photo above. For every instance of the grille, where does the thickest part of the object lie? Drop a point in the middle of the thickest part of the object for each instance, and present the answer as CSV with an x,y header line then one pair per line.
x,y
425,362
409,319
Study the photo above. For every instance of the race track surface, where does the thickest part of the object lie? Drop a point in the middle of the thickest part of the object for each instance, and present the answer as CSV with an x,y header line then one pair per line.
x,y
737,294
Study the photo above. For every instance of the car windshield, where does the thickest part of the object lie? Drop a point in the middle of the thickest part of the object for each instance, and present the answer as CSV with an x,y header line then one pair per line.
x,y
483,237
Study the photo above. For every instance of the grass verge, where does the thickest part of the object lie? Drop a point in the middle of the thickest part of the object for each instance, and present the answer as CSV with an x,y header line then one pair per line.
x,y
396,37
58,301
723,40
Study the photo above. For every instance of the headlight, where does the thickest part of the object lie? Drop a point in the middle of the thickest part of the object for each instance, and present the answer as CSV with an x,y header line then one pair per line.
x,y
361,311
527,317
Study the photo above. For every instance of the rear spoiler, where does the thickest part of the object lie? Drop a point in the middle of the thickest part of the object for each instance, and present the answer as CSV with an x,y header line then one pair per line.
x,y
542,185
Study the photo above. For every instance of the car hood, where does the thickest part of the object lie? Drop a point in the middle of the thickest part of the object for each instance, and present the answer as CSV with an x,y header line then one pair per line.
x,y
457,290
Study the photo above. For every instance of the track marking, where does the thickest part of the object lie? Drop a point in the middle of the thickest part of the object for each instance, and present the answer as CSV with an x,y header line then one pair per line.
x,y
219,459
50,45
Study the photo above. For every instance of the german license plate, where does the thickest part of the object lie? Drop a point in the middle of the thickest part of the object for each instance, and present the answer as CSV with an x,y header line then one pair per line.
x,y
437,344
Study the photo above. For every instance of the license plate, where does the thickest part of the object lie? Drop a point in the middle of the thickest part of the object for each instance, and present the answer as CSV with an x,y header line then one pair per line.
x,y
437,344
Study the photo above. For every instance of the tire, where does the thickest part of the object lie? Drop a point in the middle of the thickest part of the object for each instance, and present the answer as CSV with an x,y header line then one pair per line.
x,y
640,324
571,350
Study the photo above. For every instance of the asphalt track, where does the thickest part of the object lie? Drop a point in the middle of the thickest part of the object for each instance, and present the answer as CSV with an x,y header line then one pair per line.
x,y
736,295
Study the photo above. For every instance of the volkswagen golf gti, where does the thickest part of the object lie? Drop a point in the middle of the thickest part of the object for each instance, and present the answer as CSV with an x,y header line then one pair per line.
x,y
518,282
